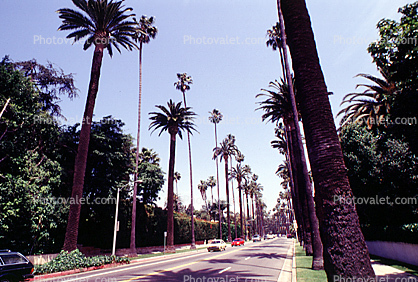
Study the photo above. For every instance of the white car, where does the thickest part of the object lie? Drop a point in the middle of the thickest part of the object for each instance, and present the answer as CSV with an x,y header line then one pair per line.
x,y
217,245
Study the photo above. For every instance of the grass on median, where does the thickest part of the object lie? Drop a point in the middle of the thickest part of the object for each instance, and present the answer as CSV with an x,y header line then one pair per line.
x,y
304,272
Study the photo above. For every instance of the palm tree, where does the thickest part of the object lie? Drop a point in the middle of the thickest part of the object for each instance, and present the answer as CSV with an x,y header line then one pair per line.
x,y
239,173
226,149
372,105
211,183
105,24
274,40
144,32
278,106
215,118
173,119
203,187
177,177
345,250
183,84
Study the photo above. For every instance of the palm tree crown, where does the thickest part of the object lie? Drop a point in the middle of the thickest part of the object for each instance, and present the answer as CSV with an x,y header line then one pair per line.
x,y
227,148
216,116
183,83
103,22
173,119
372,105
145,29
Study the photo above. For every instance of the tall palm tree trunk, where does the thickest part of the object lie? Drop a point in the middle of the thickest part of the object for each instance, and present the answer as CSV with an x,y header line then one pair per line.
x,y
233,201
193,246
252,213
240,209
71,234
170,197
217,185
345,250
317,262
248,216
228,217
138,134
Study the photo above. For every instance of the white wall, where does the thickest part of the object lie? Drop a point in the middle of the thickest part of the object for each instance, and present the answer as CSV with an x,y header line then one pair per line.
x,y
398,251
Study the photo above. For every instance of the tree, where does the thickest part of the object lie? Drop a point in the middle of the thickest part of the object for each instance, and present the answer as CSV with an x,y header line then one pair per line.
x,y
226,149
239,173
347,256
203,187
177,177
174,119
106,24
372,106
211,182
145,31
215,118
183,84
151,176
396,52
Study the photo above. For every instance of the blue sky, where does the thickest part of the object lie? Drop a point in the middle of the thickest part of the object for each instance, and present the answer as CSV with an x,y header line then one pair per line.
x,y
192,36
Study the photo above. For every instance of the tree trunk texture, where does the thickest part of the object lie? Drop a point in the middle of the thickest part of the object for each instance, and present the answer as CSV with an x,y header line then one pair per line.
x,y
70,241
170,197
345,251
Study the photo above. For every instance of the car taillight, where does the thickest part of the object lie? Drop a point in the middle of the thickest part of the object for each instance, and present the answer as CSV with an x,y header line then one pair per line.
x,y
31,271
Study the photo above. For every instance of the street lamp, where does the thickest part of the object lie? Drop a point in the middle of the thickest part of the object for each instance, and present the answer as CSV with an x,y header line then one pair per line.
x,y
116,228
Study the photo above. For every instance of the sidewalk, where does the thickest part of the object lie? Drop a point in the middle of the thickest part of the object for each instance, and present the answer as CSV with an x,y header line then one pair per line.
x,y
385,273
288,271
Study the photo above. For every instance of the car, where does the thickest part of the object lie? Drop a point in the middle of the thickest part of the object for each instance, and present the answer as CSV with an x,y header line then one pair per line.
x,y
14,267
237,242
291,235
256,238
268,236
217,245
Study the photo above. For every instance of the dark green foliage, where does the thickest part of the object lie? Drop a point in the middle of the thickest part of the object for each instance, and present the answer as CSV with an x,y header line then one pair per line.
x,y
29,171
396,51
76,260
382,166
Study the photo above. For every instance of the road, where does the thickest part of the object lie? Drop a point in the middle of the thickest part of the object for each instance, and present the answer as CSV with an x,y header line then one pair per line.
x,y
254,262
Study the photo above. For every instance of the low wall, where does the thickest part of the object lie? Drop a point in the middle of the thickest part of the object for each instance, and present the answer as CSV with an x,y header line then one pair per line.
x,y
403,252
41,259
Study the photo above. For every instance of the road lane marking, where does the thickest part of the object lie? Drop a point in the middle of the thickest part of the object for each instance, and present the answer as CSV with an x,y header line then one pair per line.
x,y
223,270
247,258
176,267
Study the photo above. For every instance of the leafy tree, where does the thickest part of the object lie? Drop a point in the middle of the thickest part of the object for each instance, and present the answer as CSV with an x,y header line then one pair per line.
x,y
105,24
382,166
30,219
173,119
151,174
396,52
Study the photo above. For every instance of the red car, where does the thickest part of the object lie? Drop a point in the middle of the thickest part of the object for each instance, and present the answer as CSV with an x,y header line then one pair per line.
x,y
237,242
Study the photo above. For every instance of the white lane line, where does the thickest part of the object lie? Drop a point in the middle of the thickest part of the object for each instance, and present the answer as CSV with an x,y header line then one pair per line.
x,y
247,258
226,269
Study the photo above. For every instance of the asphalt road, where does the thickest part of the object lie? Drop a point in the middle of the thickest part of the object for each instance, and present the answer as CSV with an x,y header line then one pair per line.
x,y
253,262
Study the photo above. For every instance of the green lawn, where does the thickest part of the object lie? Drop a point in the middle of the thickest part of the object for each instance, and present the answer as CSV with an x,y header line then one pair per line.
x,y
304,272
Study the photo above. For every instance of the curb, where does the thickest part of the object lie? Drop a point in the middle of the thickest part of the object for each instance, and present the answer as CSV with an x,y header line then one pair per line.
x,y
82,270
294,278
73,271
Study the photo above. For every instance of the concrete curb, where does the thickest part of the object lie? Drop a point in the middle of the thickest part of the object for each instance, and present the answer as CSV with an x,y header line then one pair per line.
x,y
136,261
294,278
287,271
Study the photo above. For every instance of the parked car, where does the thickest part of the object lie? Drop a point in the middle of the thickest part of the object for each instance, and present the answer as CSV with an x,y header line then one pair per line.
x,y
268,237
238,242
217,245
256,238
14,267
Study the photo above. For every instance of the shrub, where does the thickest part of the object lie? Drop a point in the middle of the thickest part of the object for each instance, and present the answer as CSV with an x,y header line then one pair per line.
x,y
75,260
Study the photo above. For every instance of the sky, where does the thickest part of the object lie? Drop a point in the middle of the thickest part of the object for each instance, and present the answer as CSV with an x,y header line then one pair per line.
x,y
221,44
